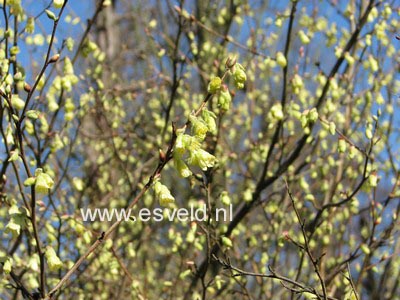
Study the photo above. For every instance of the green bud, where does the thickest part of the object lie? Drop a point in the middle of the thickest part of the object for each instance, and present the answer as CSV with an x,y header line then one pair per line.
x,y
227,242
364,248
373,179
69,43
68,68
9,79
350,59
17,102
312,115
342,145
368,131
276,112
332,128
304,38
281,59
7,265
51,15
297,81
225,199
14,50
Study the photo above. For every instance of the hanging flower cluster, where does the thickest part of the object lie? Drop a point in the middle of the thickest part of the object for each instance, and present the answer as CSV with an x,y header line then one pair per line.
x,y
187,149
42,181
163,194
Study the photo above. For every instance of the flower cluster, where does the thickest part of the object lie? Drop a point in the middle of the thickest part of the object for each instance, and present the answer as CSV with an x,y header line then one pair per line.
x,y
187,148
309,117
216,87
239,76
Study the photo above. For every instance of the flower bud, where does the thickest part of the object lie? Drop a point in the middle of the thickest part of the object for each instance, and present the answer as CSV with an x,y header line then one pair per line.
x,y
230,62
373,179
161,155
32,114
342,145
225,199
27,87
350,59
68,68
313,115
227,242
14,50
281,59
276,112
304,38
7,266
51,15
332,128
17,102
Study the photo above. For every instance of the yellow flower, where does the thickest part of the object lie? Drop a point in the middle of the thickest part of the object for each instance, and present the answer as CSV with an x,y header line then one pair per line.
x,y
281,59
214,85
58,3
224,98
17,102
52,259
239,76
200,128
182,168
43,182
202,159
163,194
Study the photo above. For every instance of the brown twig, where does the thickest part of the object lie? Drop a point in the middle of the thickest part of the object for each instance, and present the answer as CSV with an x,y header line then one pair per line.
x,y
306,246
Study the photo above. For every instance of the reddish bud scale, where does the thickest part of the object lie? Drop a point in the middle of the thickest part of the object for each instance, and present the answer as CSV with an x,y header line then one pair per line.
x,y
54,58
27,88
